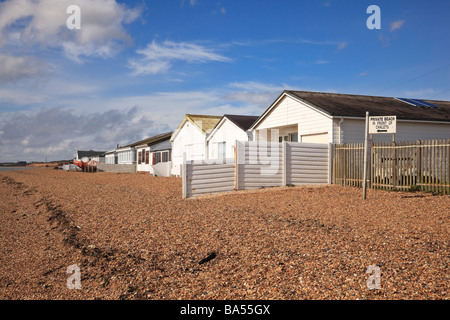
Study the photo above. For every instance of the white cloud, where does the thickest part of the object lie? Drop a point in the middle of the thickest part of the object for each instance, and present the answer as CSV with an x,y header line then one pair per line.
x,y
255,96
397,25
53,128
59,132
16,68
158,58
42,23
256,86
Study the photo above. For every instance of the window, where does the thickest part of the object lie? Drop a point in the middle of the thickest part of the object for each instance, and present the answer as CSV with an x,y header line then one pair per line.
x,y
156,158
165,156
293,137
222,152
160,156
147,157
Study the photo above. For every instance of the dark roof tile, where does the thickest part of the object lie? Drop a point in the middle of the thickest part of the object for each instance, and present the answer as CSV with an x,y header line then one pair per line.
x,y
347,105
243,122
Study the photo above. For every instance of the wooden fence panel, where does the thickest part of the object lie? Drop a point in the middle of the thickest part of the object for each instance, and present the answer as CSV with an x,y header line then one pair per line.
x,y
349,164
396,166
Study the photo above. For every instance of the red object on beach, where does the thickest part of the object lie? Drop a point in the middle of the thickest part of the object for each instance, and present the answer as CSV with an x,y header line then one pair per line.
x,y
79,163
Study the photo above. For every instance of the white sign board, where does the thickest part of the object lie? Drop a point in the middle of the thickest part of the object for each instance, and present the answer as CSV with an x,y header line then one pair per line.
x,y
383,124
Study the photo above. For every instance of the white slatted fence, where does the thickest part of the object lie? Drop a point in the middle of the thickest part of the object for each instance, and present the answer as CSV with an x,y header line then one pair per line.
x,y
259,165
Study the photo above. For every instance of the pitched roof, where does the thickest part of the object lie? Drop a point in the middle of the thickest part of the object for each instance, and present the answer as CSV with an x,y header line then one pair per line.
x,y
164,145
355,106
205,123
243,122
150,141
90,153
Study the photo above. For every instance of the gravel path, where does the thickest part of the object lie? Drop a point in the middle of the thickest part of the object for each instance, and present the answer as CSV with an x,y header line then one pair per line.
x,y
133,237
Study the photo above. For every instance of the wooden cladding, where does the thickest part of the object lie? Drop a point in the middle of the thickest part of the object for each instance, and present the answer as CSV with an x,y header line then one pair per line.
x,y
403,165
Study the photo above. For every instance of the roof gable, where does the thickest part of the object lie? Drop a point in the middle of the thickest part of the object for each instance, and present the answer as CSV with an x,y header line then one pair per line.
x,y
204,123
240,121
243,122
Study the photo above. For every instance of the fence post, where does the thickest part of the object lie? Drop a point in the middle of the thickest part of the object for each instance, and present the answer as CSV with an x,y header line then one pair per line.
x,y
284,163
394,165
236,165
448,166
365,155
330,163
184,177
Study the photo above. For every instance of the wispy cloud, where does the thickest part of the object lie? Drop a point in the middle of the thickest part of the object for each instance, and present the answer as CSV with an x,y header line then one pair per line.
x,y
159,58
396,25
255,95
342,45
264,42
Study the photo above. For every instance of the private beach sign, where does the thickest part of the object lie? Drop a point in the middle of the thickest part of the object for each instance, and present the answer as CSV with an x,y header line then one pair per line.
x,y
382,124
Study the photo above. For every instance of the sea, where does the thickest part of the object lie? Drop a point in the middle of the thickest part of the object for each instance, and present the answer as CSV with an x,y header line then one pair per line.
x,y
17,168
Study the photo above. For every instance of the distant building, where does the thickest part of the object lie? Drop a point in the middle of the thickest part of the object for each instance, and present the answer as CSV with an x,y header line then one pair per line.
x,y
231,128
111,157
190,139
154,155
86,156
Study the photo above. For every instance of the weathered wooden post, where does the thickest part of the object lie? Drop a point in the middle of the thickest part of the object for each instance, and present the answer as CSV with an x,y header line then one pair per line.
x,y
366,136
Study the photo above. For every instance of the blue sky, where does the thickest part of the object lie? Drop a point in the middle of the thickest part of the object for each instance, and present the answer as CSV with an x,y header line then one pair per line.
x,y
136,67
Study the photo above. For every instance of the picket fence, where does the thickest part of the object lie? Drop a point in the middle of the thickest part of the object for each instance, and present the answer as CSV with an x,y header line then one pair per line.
x,y
406,165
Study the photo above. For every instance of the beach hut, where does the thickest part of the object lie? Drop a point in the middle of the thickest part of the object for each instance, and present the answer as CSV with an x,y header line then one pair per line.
x,y
144,147
319,117
231,128
190,139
